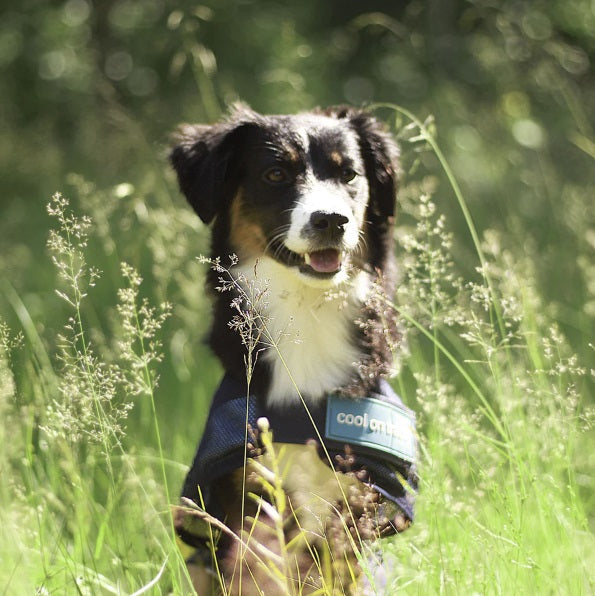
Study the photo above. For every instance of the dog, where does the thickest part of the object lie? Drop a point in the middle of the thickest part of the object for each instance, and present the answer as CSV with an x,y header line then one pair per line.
x,y
301,210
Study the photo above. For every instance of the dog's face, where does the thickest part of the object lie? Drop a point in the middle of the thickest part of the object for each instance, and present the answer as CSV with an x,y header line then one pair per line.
x,y
302,190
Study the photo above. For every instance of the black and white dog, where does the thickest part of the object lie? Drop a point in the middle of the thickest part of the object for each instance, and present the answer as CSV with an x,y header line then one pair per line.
x,y
305,203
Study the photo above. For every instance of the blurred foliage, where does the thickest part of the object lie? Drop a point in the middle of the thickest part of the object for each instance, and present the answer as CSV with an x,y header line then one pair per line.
x,y
95,88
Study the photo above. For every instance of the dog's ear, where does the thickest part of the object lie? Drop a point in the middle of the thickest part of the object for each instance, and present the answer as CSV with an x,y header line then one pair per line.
x,y
381,159
201,157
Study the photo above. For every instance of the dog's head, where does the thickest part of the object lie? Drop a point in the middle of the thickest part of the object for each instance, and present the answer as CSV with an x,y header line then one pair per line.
x,y
314,191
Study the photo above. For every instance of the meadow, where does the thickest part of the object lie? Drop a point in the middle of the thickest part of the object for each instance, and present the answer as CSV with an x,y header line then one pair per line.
x,y
104,378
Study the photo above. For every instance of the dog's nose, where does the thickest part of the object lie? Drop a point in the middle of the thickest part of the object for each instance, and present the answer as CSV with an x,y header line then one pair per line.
x,y
332,223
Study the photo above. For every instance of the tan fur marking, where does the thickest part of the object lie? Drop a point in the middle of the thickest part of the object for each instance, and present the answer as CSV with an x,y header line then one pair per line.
x,y
246,236
336,158
292,155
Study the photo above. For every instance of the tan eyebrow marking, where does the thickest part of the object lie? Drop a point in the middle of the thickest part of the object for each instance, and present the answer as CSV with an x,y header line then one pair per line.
x,y
291,154
336,158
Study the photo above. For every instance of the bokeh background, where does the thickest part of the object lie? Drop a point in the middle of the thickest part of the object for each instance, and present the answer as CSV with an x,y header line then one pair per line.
x,y
91,91
95,89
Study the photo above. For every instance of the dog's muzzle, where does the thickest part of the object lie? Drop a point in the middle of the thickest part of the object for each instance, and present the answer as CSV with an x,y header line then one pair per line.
x,y
323,245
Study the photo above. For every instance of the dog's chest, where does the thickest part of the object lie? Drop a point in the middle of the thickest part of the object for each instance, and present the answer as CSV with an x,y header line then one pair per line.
x,y
310,333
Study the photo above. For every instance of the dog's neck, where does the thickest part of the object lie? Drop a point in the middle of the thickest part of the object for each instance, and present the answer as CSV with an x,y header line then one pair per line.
x,y
310,333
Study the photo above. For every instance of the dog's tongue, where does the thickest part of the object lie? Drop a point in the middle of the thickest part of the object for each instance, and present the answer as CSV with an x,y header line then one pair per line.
x,y
325,261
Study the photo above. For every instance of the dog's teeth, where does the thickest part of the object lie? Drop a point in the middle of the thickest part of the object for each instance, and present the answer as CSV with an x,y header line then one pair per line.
x,y
307,258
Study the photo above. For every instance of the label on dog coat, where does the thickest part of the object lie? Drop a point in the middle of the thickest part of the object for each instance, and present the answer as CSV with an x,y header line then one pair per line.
x,y
373,424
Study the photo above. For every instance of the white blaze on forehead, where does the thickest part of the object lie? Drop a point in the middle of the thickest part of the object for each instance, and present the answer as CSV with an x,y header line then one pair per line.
x,y
326,196
310,126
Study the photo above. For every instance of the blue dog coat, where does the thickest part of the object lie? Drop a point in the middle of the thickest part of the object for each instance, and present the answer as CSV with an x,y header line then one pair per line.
x,y
379,432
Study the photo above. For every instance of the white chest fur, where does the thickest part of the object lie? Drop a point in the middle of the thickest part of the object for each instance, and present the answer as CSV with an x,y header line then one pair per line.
x,y
308,330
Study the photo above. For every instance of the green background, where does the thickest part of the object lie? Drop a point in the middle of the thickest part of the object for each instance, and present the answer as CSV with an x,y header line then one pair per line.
x,y
89,95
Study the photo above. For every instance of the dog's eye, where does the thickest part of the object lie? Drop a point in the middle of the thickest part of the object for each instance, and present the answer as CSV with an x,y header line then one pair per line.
x,y
275,176
348,174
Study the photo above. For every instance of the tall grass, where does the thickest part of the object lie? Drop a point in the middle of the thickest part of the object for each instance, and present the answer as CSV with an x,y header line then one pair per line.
x,y
104,388
504,465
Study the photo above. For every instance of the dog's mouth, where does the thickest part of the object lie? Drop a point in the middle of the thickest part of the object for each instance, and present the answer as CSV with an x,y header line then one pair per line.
x,y
328,260
323,263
